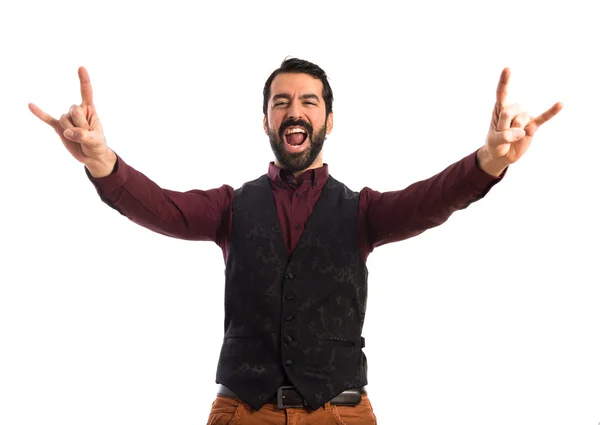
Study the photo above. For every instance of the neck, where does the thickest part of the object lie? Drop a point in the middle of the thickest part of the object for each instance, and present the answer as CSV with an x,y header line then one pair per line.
x,y
318,163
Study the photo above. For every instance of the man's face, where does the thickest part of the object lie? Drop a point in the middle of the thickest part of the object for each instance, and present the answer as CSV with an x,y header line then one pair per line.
x,y
295,120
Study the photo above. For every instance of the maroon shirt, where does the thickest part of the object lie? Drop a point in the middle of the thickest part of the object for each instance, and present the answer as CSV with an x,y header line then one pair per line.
x,y
383,217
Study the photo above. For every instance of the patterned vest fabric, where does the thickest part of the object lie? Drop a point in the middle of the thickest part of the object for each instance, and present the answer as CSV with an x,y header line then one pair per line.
x,y
300,315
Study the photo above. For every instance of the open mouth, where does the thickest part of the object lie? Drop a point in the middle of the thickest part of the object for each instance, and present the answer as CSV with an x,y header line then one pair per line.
x,y
295,136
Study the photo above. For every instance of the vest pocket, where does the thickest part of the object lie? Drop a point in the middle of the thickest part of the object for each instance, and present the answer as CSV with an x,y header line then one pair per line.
x,y
241,339
341,342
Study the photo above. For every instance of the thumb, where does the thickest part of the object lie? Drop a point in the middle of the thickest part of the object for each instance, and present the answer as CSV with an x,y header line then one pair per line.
x,y
79,135
512,134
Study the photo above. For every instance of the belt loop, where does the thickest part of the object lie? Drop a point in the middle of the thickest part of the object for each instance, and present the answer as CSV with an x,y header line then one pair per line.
x,y
327,406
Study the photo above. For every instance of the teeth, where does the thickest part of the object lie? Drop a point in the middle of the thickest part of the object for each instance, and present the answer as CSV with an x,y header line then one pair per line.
x,y
295,130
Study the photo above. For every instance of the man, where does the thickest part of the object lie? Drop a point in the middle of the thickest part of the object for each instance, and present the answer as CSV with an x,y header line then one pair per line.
x,y
295,242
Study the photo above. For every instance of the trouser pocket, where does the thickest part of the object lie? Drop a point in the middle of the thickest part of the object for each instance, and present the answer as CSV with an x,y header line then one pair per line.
x,y
225,411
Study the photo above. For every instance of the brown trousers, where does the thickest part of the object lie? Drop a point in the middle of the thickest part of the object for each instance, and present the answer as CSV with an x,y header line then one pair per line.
x,y
233,411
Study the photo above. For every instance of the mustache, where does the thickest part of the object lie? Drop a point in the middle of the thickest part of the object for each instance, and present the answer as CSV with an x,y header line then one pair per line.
x,y
295,123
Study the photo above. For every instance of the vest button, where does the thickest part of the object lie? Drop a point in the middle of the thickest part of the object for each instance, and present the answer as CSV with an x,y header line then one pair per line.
x,y
290,275
288,362
297,194
289,296
298,227
287,339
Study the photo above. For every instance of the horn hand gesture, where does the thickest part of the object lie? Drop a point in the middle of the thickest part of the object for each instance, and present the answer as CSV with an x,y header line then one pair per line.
x,y
511,130
81,132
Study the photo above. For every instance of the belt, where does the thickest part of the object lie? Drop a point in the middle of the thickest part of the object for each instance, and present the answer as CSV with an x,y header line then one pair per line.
x,y
288,396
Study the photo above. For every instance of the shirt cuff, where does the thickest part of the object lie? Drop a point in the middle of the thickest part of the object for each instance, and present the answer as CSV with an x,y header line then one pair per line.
x,y
116,179
479,178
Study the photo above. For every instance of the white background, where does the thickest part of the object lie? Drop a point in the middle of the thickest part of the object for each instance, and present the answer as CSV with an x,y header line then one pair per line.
x,y
491,318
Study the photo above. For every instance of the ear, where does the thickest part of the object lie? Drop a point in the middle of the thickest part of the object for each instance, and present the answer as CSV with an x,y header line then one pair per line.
x,y
329,123
265,125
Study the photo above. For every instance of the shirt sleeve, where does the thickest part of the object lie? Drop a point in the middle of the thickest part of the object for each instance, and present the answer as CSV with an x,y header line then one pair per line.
x,y
397,215
192,215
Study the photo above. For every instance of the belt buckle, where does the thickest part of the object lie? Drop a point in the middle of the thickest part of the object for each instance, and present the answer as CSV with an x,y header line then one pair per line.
x,y
281,397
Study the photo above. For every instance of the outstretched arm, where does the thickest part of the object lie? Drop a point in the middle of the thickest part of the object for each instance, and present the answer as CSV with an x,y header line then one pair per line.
x,y
393,216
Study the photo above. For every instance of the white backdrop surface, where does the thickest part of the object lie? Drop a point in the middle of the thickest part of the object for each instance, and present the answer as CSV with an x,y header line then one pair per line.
x,y
490,318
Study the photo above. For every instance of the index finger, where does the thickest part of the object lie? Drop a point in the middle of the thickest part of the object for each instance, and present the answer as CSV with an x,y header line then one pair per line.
x,y
502,89
86,87
47,118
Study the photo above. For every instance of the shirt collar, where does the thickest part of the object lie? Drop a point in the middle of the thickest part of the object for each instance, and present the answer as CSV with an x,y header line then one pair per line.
x,y
317,176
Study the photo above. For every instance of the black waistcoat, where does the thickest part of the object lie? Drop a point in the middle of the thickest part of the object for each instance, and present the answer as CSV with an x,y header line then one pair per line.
x,y
300,315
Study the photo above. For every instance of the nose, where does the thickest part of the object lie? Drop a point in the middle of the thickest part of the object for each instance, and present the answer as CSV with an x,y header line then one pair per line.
x,y
294,110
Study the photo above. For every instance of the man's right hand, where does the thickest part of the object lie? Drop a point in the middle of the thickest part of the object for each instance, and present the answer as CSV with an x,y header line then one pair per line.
x,y
81,132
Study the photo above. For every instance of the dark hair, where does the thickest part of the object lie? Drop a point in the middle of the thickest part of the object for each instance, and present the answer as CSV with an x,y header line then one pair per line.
x,y
300,66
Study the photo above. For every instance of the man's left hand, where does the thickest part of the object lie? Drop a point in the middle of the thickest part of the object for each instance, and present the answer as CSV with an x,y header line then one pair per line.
x,y
511,131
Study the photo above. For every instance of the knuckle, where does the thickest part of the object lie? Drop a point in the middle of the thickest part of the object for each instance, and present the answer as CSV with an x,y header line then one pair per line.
x,y
64,121
83,136
75,110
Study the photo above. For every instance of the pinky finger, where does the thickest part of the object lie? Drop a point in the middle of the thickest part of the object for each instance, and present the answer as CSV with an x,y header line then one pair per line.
x,y
543,118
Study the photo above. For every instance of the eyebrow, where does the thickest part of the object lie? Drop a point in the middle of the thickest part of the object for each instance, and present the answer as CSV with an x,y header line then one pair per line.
x,y
302,97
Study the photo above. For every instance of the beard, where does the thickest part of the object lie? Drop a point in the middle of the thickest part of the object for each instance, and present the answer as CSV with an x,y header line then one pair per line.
x,y
297,161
